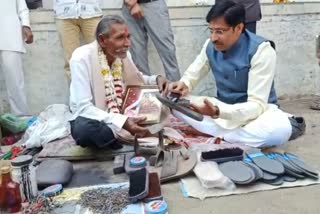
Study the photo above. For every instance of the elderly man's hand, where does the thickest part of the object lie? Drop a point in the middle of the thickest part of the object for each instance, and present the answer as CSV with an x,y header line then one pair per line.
x,y
179,88
132,126
207,108
163,84
27,34
136,11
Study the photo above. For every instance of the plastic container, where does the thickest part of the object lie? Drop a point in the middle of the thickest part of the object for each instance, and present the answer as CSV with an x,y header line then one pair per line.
x,y
24,174
157,207
13,123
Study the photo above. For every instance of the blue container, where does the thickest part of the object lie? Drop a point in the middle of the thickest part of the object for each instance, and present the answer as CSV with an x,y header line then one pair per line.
x,y
157,207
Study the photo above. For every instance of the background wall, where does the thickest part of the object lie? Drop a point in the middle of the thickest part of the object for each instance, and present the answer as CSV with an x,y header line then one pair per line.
x,y
292,26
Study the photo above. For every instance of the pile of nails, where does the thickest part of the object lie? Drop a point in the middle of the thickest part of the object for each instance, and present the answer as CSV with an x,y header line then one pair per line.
x,y
105,200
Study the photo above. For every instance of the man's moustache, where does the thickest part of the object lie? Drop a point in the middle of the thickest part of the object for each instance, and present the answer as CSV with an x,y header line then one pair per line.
x,y
217,43
122,50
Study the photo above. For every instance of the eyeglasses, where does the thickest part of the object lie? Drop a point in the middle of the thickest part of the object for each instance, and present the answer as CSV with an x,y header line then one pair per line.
x,y
218,32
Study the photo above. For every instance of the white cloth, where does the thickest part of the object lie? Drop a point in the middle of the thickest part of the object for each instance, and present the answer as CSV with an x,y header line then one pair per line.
x,y
272,128
13,15
74,9
87,91
11,65
260,79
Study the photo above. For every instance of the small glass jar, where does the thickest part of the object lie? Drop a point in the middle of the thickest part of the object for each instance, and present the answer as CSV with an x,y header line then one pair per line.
x,y
24,174
10,197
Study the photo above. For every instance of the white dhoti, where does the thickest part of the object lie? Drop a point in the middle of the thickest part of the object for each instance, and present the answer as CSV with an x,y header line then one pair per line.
x,y
12,68
272,128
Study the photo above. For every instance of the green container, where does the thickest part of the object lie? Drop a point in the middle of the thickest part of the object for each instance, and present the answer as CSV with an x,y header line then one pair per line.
x,y
13,123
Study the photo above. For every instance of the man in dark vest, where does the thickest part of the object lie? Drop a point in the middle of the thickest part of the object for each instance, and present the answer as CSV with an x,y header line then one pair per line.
x,y
245,110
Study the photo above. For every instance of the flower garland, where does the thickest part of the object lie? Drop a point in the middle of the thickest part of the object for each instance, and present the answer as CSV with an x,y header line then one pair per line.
x,y
113,83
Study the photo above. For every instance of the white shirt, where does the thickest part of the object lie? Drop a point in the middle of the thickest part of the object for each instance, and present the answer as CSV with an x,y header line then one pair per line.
x,y
260,79
74,9
13,15
81,90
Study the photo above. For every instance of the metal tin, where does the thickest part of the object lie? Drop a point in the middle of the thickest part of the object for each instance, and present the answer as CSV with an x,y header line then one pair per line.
x,y
138,161
157,207
24,174
52,190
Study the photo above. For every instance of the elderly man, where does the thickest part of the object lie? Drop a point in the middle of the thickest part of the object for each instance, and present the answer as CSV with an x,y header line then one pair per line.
x,y
15,26
100,72
245,110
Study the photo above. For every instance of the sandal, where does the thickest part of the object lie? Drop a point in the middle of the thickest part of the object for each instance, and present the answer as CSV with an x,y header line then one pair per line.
x,y
171,165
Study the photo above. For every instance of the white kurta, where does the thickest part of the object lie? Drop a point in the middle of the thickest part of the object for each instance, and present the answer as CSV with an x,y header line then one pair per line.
x,y
87,90
13,15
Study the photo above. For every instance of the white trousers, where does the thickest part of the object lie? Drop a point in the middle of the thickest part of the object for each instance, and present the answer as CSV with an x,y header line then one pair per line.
x,y
272,128
12,67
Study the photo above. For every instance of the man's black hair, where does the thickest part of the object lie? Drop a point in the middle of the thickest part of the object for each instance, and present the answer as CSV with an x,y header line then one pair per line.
x,y
233,13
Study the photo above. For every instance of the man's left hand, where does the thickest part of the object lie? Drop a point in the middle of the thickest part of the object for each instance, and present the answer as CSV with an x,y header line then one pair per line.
x,y
206,109
163,84
27,34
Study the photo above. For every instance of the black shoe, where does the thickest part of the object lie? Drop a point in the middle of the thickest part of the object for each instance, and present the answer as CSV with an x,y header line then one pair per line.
x,y
298,127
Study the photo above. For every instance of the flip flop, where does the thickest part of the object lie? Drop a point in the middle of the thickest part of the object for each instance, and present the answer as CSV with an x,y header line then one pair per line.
x,y
287,165
265,175
238,172
257,171
265,163
268,177
288,178
276,182
173,164
298,162
294,174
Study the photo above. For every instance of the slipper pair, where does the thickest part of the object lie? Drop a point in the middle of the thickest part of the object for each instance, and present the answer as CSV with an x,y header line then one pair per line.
x,y
238,172
272,170
171,165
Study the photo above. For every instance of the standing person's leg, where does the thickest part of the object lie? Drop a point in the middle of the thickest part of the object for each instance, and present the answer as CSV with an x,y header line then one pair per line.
x,y
139,41
159,29
69,32
92,133
315,105
88,28
251,26
13,73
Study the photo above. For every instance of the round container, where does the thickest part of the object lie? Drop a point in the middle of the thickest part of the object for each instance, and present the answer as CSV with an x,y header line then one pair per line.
x,y
52,190
24,174
138,161
157,207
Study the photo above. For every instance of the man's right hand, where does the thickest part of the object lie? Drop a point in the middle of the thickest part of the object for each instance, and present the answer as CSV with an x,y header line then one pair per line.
x,y
132,126
178,87
136,11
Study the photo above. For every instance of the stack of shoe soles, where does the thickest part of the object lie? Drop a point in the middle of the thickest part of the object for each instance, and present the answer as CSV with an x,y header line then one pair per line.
x,y
272,168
